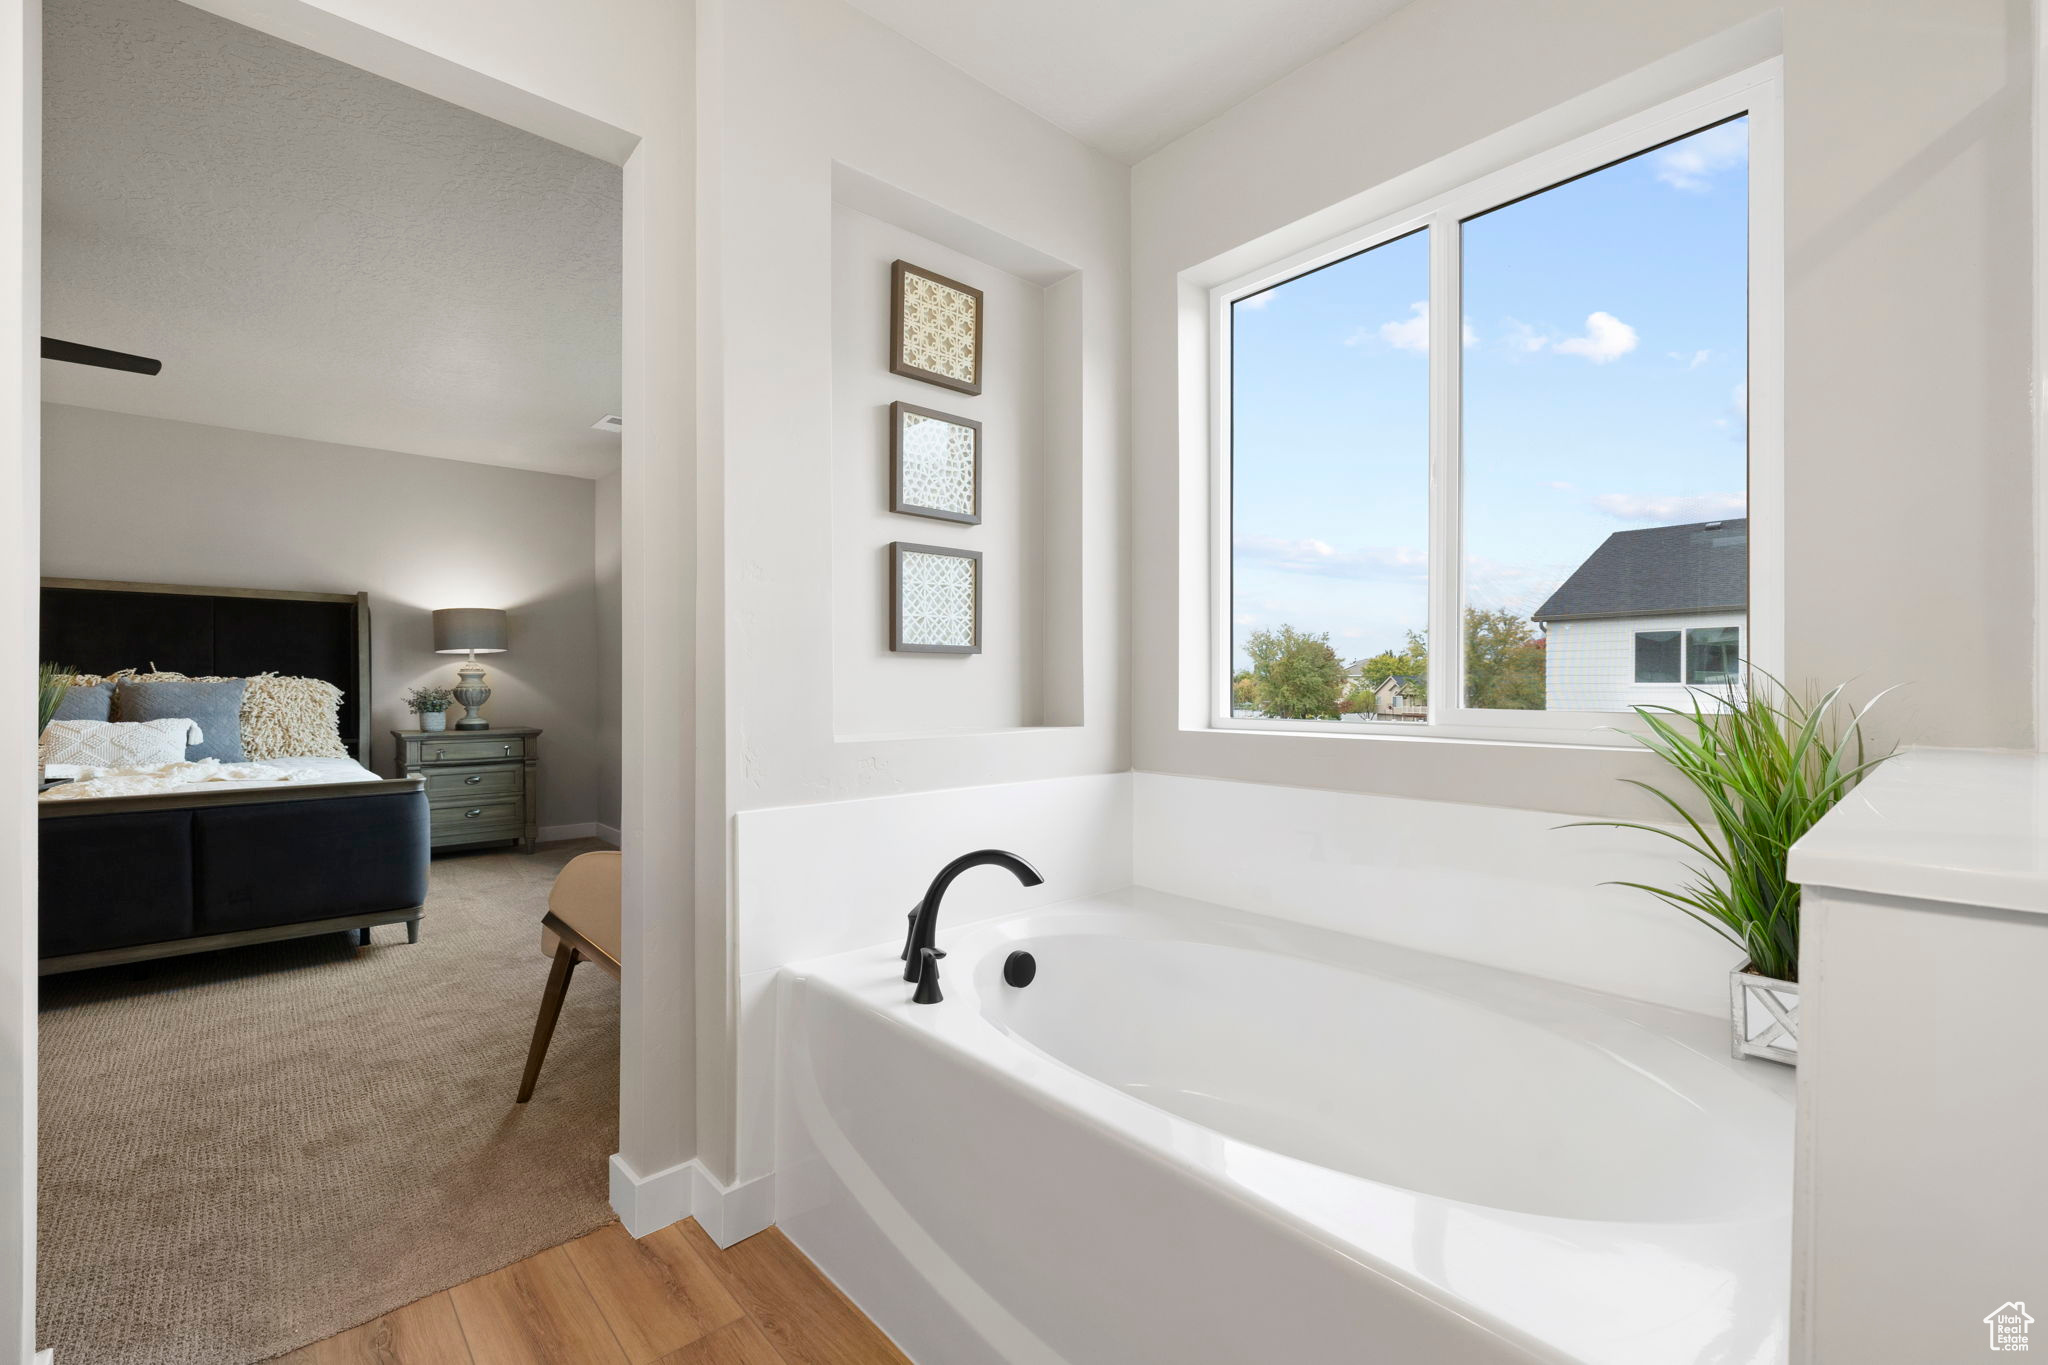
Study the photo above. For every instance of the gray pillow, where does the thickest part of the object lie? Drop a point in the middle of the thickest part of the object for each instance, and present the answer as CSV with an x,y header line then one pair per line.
x,y
215,706
87,703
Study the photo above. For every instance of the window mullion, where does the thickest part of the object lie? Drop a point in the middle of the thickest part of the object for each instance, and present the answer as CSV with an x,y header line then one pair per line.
x,y
1446,353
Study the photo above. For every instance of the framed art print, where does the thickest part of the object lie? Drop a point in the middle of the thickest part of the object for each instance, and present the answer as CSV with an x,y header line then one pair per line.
x,y
934,599
934,464
934,328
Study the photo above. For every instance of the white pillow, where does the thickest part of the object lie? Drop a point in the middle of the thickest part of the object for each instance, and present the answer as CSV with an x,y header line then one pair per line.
x,y
118,743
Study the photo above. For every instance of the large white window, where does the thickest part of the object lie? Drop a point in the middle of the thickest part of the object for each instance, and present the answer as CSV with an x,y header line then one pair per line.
x,y
1487,465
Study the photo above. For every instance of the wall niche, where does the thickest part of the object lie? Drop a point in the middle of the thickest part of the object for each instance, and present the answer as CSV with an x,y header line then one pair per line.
x,y
1028,671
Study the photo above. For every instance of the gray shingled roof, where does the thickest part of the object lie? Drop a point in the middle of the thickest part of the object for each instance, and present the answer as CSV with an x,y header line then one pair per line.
x,y
1657,571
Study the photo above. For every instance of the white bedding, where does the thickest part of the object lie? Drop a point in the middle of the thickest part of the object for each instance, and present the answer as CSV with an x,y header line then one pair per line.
x,y
206,775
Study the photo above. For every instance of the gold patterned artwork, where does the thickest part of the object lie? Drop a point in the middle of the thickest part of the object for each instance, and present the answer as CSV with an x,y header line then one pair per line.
x,y
936,328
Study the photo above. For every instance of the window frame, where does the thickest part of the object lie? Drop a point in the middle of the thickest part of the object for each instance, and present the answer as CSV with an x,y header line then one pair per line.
x,y
1677,640
1757,93
1689,666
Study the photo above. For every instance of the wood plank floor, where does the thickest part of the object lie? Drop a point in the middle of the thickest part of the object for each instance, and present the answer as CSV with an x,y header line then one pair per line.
x,y
671,1298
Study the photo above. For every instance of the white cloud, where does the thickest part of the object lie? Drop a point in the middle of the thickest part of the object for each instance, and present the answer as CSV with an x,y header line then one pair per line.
x,y
1607,338
1693,361
1522,337
1410,333
1319,558
1493,585
1258,300
1691,164
1670,511
1561,485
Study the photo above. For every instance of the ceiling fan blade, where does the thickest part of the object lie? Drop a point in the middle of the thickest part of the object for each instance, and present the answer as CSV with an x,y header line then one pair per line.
x,y
54,349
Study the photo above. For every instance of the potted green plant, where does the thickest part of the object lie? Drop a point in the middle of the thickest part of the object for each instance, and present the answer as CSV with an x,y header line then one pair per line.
x,y
1765,767
431,705
52,682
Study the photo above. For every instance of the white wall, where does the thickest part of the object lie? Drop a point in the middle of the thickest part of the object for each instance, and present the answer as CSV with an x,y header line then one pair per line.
x,y
1923,185
1907,218
800,96
1591,665
609,564
20,420
153,501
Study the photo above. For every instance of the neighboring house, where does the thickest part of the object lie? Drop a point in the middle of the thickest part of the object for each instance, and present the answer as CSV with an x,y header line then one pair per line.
x,y
1400,696
1649,613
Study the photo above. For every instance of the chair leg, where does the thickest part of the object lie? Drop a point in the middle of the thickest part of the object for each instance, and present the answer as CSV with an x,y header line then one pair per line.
x,y
412,930
566,959
363,937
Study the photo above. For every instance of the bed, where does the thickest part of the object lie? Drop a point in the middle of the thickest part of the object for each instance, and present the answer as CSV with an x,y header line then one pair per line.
x,y
337,849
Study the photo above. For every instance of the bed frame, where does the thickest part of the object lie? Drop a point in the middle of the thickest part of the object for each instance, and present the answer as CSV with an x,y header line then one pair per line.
x,y
131,878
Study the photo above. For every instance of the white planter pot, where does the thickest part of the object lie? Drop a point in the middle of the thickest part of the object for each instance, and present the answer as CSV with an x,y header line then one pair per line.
x,y
433,720
1763,1014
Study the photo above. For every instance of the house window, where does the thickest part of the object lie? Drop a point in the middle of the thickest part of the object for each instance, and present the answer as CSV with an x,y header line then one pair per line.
x,y
1513,419
1657,656
1712,655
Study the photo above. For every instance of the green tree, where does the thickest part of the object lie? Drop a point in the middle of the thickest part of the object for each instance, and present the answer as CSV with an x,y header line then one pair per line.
x,y
1503,662
1409,661
1244,691
1298,675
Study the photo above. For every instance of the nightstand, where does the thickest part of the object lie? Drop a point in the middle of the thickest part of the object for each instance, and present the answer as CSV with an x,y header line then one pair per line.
x,y
481,786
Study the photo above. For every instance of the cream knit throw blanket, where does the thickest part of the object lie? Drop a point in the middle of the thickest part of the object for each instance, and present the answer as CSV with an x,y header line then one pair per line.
x,y
150,779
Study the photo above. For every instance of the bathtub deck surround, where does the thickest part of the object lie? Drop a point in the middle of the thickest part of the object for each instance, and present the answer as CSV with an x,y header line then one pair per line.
x,y
1208,1108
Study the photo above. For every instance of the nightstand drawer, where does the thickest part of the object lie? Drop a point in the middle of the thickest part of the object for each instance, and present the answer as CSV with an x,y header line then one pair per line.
x,y
479,820
471,748
446,786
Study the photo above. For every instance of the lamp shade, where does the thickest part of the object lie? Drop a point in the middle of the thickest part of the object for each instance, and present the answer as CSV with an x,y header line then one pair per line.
x,y
463,630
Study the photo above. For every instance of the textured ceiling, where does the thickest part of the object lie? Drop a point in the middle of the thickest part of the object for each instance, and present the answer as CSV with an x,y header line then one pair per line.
x,y
314,251
1128,76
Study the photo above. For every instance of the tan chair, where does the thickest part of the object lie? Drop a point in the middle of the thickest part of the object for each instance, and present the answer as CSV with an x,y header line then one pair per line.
x,y
582,923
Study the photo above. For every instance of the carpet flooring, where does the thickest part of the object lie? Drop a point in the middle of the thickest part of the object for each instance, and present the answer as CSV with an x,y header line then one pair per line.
x,y
246,1151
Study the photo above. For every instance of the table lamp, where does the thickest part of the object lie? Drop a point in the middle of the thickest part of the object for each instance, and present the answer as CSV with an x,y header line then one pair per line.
x,y
471,631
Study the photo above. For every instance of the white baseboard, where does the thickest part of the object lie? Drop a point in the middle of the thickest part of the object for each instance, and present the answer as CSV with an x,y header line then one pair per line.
x,y
45,1356
732,1213
550,833
649,1203
610,834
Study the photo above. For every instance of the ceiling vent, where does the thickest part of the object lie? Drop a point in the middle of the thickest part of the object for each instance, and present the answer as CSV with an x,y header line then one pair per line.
x,y
611,421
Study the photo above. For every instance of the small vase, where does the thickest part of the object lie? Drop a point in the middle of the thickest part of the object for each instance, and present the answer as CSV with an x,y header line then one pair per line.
x,y
432,721
1763,1013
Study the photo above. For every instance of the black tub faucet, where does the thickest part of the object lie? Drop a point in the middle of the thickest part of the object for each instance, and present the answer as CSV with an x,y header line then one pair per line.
x,y
924,920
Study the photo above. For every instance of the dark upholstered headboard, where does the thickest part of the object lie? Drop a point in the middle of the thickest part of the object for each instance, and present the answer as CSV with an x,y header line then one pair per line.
x,y
221,632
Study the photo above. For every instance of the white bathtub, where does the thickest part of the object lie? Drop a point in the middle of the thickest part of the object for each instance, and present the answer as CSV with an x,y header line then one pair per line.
x,y
1206,1136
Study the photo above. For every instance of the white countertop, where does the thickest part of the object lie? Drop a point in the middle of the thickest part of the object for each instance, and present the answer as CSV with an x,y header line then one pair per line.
x,y
1966,826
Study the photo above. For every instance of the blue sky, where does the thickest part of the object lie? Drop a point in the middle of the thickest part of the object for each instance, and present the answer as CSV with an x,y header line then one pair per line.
x,y
1605,366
